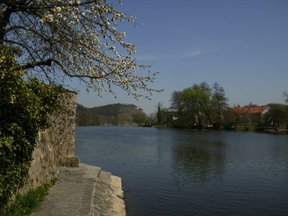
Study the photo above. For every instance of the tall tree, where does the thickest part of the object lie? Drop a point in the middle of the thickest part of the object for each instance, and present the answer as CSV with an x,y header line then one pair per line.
x,y
194,105
160,114
200,105
286,96
67,39
189,116
176,101
219,101
277,116
203,98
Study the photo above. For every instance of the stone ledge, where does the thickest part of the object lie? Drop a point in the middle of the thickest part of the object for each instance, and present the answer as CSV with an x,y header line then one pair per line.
x,y
71,161
80,192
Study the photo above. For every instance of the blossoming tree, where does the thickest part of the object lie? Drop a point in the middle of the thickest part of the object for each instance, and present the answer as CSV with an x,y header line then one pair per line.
x,y
62,39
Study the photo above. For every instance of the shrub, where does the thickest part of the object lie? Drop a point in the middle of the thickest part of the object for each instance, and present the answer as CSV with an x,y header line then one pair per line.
x,y
25,204
25,105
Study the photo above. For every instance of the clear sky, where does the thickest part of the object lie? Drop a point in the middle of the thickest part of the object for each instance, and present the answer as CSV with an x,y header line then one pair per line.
x,y
241,44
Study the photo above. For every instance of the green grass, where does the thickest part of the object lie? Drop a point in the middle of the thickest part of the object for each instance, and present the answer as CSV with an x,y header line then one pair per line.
x,y
26,203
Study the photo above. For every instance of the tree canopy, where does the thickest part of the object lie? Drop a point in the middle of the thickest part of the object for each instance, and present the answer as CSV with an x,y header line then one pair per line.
x,y
276,116
62,39
200,105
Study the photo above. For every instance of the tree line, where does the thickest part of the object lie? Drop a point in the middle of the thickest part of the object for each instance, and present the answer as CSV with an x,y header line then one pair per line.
x,y
198,106
112,114
204,106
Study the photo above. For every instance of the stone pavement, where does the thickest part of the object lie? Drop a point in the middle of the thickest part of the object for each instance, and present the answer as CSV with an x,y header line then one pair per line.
x,y
84,191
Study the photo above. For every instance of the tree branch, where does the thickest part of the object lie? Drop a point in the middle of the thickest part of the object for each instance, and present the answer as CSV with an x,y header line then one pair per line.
x,y
31,65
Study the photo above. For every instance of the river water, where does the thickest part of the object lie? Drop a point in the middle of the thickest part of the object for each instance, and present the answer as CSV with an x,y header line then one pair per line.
x,y
183,172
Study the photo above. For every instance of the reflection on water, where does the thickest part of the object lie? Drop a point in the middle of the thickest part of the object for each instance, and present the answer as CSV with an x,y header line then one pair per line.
x,y
200,160
179,172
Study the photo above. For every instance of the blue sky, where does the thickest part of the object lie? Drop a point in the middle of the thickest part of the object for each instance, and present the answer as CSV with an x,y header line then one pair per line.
x,y
241,44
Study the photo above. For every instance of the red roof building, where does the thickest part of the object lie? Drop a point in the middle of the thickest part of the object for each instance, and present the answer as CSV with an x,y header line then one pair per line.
x,y
251,110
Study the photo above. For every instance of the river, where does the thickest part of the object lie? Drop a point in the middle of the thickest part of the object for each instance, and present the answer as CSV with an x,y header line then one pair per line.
x,y
185,172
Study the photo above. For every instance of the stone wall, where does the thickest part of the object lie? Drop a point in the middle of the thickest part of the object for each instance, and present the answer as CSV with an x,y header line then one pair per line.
x,y
55,146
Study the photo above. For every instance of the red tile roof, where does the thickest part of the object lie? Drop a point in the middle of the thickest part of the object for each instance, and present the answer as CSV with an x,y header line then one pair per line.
x,y
250,110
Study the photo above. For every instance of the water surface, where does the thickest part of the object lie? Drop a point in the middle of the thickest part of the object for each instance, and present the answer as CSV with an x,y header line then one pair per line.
x,y
184,172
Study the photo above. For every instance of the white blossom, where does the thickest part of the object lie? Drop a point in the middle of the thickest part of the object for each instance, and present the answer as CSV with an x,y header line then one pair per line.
x,y
82,40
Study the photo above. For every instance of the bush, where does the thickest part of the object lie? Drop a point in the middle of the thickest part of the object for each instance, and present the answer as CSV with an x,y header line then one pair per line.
x,y
25,105
25,204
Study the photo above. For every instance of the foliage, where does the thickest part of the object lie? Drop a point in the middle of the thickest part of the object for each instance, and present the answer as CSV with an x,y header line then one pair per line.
x,y
74,39
25,204
141,119
219,103
176,101
229,119
277,116
24,108
202,106
199,106
286,96
161,115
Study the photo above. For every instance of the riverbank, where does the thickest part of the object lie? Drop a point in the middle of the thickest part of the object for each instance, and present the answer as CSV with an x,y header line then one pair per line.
x,y
268,130
84,190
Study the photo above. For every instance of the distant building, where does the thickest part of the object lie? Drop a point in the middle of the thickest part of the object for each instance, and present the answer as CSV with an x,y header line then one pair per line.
x,y
249,115
251,110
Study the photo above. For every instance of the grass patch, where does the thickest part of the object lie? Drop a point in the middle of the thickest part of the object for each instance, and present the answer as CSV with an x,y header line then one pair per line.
x,y
26,203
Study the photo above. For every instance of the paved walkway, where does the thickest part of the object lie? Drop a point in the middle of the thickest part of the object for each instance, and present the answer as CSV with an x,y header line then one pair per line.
x,y
84,191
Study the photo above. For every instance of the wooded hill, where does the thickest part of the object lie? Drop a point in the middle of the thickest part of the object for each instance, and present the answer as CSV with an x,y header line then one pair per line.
x,y
112,114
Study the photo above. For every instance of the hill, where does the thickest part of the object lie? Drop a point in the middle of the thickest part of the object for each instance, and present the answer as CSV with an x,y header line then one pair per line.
x,y
112,114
